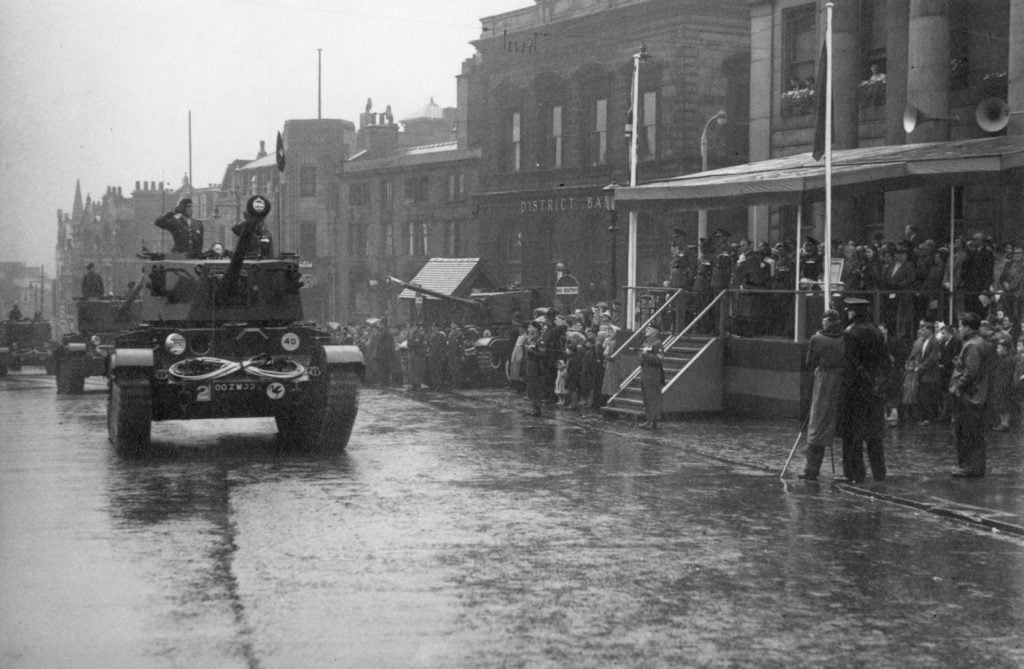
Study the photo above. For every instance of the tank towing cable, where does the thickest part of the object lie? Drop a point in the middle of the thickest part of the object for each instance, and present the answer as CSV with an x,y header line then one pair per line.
x,y
210,368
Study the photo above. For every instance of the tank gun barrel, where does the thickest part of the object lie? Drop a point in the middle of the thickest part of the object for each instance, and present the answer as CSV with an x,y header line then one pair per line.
x,y
125,308
415,287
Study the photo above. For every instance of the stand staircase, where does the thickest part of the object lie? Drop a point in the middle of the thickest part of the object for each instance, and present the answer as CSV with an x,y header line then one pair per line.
x,y
694,366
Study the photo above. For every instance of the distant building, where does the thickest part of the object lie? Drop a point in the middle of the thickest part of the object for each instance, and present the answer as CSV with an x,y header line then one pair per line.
x,y
405,197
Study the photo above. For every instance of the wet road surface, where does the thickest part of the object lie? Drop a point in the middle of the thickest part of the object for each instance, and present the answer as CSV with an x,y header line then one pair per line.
x,y
455,531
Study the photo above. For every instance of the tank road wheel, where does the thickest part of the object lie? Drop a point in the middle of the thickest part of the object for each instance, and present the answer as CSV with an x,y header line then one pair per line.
x,y
323,421
70,379
129,414
60,376
76,377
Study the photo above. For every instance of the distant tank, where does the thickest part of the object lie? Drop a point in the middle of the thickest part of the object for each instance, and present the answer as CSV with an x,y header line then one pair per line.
x,y
87,351
495,316
225,338
24,342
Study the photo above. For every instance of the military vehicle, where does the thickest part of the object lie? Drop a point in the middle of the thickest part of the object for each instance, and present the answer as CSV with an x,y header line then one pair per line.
x,y
225,338
87,352
494,315
24,342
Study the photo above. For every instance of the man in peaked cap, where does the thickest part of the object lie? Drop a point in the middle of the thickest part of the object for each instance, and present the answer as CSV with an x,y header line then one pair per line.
x,y
186,231
92,283
862,405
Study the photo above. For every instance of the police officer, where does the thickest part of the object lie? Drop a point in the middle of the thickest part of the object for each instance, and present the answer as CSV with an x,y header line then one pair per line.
x,y
862,407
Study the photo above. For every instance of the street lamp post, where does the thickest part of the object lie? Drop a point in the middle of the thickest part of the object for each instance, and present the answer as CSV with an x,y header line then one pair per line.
x,y
702,214
613,241
631,251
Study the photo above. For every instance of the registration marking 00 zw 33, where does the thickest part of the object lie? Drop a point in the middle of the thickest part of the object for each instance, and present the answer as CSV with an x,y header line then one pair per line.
x,y
234,385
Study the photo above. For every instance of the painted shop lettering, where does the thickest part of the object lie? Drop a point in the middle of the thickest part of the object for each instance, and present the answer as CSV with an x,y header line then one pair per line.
x,y
561,204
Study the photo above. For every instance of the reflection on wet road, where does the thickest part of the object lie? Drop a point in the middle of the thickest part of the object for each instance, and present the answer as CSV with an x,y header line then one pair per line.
x,y
457,532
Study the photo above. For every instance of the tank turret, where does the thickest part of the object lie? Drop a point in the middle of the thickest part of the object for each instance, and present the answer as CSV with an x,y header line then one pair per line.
x,y
225,337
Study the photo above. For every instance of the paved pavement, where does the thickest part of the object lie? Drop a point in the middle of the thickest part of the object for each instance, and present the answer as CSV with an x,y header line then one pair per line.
x,y
918,459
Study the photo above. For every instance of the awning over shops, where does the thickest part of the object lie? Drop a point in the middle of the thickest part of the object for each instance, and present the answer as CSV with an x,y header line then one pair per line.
x,y
455,277
794,178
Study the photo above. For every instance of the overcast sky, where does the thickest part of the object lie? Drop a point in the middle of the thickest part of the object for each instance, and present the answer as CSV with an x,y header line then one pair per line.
x,y
100,90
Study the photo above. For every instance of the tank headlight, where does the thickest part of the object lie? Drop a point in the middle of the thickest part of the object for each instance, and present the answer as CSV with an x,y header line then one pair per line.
x,y
175,344
95,340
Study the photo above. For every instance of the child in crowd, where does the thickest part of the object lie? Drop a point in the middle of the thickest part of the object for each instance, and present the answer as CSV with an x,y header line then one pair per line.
x,y
560,389
573,375
1002,383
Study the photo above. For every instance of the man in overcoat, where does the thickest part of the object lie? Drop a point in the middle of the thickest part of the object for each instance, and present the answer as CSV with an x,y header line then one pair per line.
x,y
862,408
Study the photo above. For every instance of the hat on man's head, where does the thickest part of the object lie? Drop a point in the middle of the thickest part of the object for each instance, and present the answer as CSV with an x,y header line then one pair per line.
x,y
811,240
678,232
184,201
855,302
831,314
550,313
89,266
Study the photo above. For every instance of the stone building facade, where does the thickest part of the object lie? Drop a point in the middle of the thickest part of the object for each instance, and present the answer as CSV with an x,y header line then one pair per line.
x,y
942,56
405,196
546,101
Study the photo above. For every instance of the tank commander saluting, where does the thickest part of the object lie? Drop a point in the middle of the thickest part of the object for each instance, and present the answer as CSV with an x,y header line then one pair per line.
x,y
187,232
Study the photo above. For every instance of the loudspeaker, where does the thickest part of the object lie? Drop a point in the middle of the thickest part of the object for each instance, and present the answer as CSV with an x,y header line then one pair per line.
x,y
913,117
992,114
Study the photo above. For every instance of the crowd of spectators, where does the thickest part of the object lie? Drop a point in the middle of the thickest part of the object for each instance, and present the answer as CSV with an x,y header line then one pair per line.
x,y
907,280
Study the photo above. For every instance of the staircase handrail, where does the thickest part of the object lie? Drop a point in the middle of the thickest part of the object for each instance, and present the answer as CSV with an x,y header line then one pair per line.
x,y
669,343
639,331
696,319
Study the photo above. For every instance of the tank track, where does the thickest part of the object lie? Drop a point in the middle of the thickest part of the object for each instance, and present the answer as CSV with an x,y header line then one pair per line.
x,y
129,414
323,423
70,375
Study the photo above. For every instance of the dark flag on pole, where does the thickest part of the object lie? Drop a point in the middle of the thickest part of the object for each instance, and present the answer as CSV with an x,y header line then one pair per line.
x,y
280,152
820,84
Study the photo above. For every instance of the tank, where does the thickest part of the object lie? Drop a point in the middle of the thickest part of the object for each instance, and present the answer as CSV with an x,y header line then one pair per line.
x,y
225,338
495,316
24,342
87,351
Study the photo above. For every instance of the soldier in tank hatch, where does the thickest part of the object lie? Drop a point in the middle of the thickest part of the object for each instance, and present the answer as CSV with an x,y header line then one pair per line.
x,y
187,232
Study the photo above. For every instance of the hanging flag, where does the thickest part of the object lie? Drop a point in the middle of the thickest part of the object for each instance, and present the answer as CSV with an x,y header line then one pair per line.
x,y
820,86
280,152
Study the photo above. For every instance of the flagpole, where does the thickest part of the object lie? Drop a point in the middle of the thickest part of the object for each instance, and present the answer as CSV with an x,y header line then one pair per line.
x,y
631,249
190,154
828,155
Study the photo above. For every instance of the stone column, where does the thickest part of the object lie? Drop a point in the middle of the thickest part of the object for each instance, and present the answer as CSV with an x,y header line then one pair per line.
x,y
928,90
1015,72
1013,181
846,75
898,203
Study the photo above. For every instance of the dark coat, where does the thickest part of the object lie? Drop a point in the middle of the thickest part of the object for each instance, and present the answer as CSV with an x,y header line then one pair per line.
x,y
186,233
867,366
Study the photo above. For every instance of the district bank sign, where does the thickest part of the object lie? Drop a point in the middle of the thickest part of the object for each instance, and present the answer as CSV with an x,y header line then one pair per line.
x,y
559,204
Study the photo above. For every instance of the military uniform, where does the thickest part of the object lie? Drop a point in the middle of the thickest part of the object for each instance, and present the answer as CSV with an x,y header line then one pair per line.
x,y
187,233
